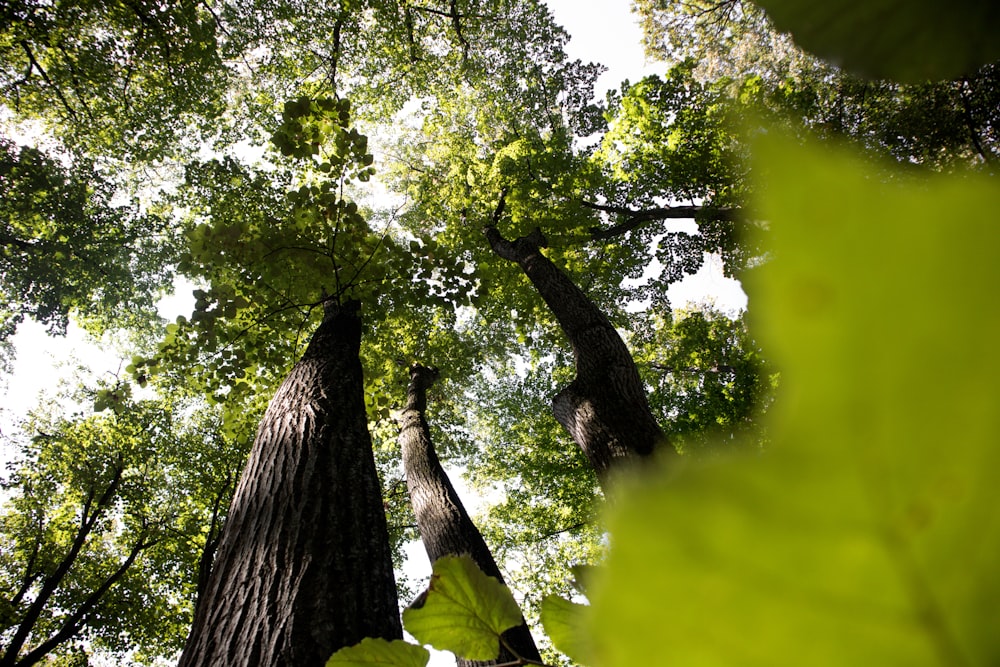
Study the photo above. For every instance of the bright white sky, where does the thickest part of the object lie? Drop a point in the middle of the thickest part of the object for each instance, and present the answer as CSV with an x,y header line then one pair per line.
x,y
603,31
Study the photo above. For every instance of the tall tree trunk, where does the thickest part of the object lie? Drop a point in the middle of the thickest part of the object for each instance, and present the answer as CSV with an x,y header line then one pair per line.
x,y
303,565
445,527
605,408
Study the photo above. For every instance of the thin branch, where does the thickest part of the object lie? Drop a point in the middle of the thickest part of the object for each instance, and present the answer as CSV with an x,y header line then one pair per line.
x,y
456,22
75,76
49,585
35,64
225,31
335,56
408,22
452,14
371,255
30,576
498,211
636,218
211,540
75,621
575,526
718,368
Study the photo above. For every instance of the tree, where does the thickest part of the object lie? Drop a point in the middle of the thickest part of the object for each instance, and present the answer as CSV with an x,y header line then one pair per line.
x,y
125,80
268,243
303,566
605,408
445,526
936,121
709,380
105,517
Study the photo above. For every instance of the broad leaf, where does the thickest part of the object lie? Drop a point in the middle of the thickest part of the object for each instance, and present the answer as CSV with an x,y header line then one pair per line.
x,y
905,41
563,623
867,534
374,651
463,610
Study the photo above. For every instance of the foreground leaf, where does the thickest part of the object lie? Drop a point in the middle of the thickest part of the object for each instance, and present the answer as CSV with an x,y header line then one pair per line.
x,y
868,533
374,651
563,623
907,41
462,611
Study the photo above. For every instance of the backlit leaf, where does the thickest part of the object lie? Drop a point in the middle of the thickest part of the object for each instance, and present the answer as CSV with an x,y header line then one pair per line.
x,y
373,651
463,610
563,624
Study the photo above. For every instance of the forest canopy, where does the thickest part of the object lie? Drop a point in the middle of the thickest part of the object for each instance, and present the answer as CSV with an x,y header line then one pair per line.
x,y
414,236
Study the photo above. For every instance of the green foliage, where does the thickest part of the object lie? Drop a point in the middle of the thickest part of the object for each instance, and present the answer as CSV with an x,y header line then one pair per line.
x,y
321,128
917,42
462,610
562,621
726,39
121,78
66,248
940,124
671,134
856,538
709,380
105,518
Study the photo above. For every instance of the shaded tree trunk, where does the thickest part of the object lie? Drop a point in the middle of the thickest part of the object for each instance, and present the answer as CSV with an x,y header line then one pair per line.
x,y
303,565
445,527
605,408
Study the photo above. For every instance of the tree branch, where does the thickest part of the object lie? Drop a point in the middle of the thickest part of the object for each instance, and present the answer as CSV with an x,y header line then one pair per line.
x,y
637,218
970,121
74,622
35,64
717,368
87,522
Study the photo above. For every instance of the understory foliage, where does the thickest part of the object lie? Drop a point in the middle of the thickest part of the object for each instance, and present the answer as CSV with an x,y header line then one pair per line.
x,y
107,517
833,498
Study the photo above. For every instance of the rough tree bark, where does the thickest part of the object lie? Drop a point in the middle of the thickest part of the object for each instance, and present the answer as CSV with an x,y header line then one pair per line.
x,y
605,408
445,527
303,566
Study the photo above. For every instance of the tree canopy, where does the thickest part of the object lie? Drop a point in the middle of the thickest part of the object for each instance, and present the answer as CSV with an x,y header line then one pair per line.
x,y
445,167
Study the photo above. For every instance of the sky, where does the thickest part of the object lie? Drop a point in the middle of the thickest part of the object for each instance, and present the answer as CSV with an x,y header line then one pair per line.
x,y
603,31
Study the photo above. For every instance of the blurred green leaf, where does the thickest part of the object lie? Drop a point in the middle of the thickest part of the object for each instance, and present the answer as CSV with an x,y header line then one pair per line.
x,y
463,610
562,621
905,41
868,533
371,651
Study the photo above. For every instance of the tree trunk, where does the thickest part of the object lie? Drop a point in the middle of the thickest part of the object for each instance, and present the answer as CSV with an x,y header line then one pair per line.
x,y
303,565
605,408
445,527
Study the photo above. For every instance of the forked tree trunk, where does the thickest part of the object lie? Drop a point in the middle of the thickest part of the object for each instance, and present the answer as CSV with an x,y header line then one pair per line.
x,y
445,527
604,408
303,566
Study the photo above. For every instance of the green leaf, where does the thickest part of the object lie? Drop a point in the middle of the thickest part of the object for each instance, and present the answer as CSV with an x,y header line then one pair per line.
x,y
868,533
373,651
909,42
463,610
563,623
